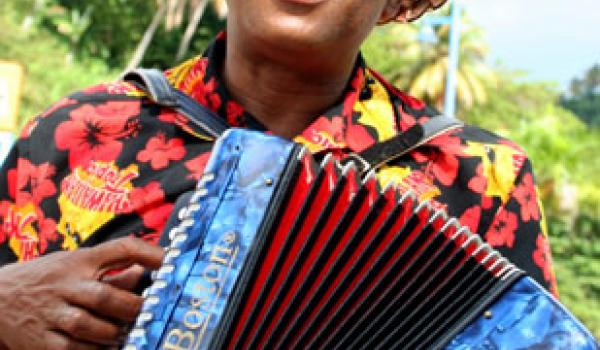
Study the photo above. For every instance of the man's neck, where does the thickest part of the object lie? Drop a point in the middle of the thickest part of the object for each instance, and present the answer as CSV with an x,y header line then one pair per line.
x,y
285,96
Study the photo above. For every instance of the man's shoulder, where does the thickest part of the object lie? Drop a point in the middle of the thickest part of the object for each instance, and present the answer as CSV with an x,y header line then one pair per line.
x,y
469,133
411,110
95,95
95,102
496,157
107,91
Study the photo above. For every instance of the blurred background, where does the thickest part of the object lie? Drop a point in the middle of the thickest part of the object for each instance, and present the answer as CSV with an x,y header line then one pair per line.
x,y
528,70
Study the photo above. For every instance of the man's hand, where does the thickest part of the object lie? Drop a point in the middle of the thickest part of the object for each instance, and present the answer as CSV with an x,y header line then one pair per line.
x,y
59,301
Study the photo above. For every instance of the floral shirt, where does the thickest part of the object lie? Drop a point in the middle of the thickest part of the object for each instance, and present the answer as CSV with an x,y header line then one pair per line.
x,y
106,162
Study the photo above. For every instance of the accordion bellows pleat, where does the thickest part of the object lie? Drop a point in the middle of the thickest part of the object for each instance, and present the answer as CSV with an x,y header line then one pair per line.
x,y
277,251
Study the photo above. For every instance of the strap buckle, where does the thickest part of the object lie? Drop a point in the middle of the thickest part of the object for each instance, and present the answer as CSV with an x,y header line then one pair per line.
x,y
362,165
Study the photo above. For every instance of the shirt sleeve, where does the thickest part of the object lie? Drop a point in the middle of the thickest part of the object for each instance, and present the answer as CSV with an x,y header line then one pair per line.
x,y
8,214
28,188
518,230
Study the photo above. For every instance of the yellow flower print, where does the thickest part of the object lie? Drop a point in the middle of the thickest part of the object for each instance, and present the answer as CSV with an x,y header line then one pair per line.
x,y
378,112
499,168
394,174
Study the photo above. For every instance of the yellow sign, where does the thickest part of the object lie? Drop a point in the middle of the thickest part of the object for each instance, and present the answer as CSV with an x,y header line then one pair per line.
x,y
11,80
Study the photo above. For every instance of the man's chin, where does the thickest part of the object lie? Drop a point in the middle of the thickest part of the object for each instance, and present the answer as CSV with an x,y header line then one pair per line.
x,y
298,36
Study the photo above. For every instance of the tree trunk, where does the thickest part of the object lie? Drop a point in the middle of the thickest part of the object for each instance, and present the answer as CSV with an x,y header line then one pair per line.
x,y
184,45
28,20
140,51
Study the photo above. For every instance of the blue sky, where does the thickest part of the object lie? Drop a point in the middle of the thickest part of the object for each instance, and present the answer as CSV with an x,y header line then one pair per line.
x,y
553,40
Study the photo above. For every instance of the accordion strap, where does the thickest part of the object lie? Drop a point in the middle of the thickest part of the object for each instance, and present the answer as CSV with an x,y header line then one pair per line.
x,y
384,152
154,83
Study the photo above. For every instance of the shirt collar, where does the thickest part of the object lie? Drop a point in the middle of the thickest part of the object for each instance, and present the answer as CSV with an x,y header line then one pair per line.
x,y
366,113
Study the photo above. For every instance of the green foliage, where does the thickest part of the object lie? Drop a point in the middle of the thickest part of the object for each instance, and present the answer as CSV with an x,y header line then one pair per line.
x,y
49,72
584,98
72,44
393,50
111,29
421,68
161,53
577,264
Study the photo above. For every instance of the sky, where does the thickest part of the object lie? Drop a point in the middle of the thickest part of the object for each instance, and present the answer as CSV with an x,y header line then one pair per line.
x,y
553,40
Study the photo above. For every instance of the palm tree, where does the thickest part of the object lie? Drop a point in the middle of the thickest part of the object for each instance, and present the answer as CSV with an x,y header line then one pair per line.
x,y
428,77
421,68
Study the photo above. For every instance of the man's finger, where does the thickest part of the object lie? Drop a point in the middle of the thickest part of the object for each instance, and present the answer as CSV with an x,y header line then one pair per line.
x,y
124,252
58,341
127,279
105,300
81,325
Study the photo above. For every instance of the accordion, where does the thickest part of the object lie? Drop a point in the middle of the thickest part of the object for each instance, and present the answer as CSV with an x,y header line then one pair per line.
x,y
276,251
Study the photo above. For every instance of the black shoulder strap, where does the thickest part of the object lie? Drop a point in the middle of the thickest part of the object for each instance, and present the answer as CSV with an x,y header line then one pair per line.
x,y
384,152
155,84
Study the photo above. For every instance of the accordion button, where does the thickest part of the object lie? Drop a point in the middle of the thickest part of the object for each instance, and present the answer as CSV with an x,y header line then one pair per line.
x,y
488,314
182,213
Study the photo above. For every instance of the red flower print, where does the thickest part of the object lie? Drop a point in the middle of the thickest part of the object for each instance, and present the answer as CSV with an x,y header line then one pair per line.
x,y
445,168
351,96
94,132
443,161
149,195
156,218
358,138
206,94
4,210
471,217
149,203
234,114
410,101
406,120
47,231
478,184
196,166
172,117
28,227
526,196
502,231
31,183
543,259
159,152
189,74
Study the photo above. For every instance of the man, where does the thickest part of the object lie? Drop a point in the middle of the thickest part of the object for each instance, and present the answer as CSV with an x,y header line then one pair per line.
x,y
107,163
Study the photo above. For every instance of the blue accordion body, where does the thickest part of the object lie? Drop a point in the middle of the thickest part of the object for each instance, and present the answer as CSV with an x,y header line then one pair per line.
x,y
191,293
526,316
